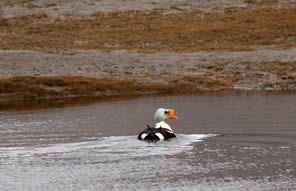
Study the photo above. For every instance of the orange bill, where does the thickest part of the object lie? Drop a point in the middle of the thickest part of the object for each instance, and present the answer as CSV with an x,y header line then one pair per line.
x,y
172,114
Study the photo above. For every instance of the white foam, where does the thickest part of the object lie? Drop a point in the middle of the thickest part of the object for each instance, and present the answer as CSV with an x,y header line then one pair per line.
x,y
124,146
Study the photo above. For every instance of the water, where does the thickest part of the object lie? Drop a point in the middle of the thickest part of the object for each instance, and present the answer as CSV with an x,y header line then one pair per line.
x,y
224,142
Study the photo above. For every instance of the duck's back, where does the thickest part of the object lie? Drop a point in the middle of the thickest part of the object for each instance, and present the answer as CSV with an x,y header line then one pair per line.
x,y
155,134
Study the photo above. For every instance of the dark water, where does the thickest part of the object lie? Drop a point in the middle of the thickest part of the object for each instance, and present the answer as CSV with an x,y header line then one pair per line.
x,y
224,142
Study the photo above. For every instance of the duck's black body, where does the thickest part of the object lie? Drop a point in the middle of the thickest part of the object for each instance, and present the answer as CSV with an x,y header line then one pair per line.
x,y
155,134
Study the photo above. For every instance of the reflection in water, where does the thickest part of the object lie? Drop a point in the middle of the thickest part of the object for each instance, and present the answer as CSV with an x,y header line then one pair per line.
x,y
232,142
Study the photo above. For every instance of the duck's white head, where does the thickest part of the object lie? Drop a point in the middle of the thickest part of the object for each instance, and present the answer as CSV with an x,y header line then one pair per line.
x,y
162,114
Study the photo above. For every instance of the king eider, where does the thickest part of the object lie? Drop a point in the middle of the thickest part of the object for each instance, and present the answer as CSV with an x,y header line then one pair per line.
x,y
162,130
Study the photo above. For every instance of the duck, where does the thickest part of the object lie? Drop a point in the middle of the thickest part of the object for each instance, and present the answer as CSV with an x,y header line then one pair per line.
x,y
162,130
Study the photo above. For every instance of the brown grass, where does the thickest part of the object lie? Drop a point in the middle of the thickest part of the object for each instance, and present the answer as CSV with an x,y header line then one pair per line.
x,y
235,29
261,2
34,88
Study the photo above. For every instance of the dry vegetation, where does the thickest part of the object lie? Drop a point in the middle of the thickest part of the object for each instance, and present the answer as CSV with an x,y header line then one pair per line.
x,y
34,88
261,2
223,76
227,29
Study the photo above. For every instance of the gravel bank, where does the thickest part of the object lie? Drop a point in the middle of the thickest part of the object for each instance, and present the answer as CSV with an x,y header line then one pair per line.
x,y
245,69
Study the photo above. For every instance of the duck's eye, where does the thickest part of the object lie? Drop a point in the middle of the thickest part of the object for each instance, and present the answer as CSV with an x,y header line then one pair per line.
x,y
166,112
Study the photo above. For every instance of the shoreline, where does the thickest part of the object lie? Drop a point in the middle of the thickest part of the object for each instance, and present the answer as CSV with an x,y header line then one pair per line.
x,y
63,90
29,88
109,48
21,105
30,76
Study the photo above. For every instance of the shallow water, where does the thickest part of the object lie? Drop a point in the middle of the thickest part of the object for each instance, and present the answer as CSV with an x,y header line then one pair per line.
x,y
224,142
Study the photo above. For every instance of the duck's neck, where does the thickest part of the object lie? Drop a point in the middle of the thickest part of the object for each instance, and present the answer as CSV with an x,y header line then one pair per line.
x,y
164,125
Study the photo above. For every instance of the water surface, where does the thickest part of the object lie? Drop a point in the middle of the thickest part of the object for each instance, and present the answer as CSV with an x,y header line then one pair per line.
x,y
224,142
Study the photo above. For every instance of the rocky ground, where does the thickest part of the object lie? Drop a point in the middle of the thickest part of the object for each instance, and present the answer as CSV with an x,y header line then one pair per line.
x,y
150,46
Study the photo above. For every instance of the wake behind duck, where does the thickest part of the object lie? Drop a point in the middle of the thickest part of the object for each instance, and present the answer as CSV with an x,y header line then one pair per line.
x,y
162,130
